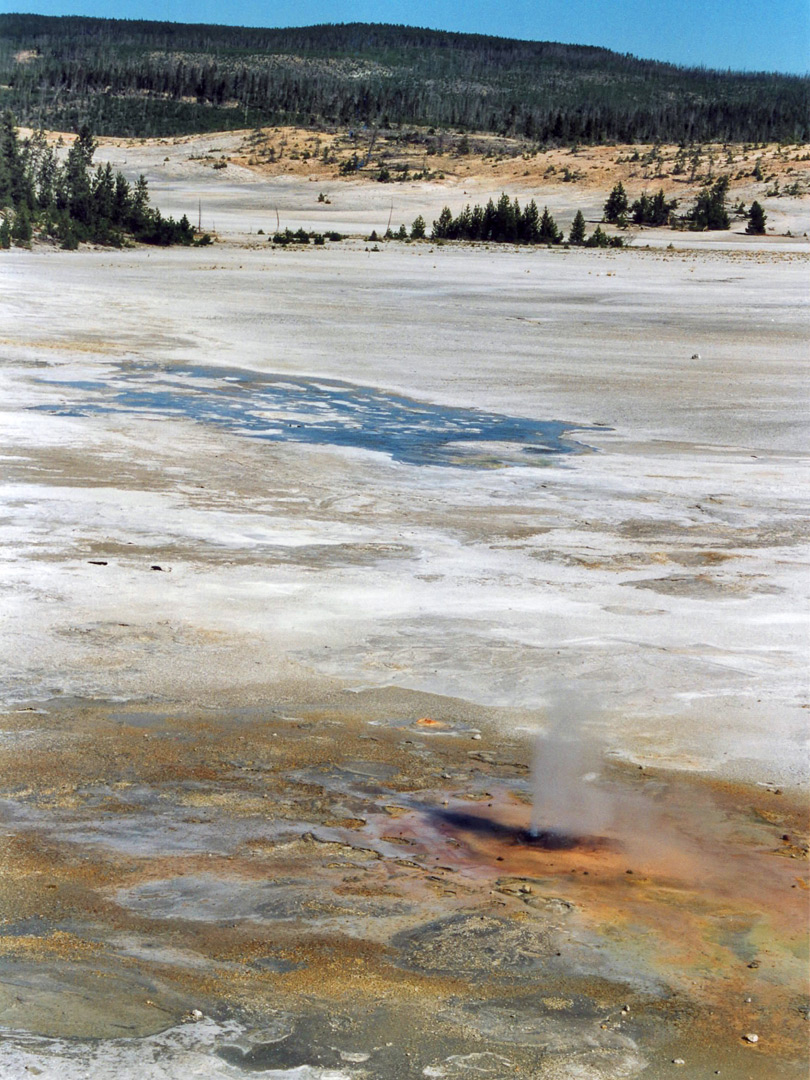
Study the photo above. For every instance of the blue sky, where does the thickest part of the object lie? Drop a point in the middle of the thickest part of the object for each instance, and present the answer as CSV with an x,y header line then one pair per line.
x,y
742,34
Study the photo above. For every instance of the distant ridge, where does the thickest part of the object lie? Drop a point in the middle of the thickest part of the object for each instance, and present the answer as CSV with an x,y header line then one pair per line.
x,y
139,78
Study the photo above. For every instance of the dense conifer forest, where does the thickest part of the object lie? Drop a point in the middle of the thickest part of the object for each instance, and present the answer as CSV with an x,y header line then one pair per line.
x,y
139,78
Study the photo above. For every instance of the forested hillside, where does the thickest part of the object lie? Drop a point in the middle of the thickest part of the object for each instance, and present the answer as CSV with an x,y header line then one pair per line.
x,y
151,78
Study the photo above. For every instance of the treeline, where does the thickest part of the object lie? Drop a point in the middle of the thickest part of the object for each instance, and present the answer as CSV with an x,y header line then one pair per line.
x,y
72,202
505,222
150,78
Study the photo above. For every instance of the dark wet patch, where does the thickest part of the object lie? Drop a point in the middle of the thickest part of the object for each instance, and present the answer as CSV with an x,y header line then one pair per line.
x,y
544,839
325,412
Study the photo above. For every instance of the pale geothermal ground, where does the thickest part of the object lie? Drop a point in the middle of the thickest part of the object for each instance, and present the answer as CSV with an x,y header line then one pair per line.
x,y
177,592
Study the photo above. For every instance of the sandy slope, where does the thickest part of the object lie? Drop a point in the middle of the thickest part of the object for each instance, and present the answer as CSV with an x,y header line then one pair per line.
x,y
239,181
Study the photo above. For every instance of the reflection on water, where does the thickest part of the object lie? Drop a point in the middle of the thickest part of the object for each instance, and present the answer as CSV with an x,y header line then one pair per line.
x,y
325,411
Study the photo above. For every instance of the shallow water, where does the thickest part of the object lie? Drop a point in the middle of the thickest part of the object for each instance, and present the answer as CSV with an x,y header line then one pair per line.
x,y
324,411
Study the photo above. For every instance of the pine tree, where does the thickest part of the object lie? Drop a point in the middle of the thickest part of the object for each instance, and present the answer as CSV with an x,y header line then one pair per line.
x,y
85,145
641,210
443,226
103,193
549,233
418,229
77,180
576,236
488,221
756,220
12,166
504,227
463,224
616,204
138,216
121,199
21,230
66,233
477,223
662,208
47,172
598,238
530,223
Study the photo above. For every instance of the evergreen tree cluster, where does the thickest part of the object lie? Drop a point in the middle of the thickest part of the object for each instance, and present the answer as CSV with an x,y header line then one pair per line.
x,y
72,201
501,223
505,222
709,211
646,210
653,209
301,236
142,78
